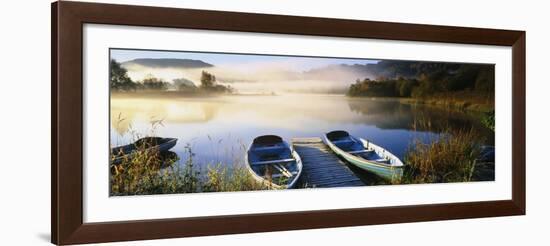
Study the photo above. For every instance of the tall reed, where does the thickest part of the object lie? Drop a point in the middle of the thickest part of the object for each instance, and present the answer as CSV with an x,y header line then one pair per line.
x,y
449,157
151,172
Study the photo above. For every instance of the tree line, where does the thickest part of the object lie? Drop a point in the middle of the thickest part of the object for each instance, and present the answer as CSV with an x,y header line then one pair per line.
x,y
423,79
121,82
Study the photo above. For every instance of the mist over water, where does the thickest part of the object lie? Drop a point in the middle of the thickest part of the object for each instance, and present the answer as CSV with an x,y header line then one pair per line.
x,y
260,77
220,128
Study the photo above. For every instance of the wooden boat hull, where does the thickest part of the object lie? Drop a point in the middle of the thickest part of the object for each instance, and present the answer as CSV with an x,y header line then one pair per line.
x,y
128,151
264,180
392,172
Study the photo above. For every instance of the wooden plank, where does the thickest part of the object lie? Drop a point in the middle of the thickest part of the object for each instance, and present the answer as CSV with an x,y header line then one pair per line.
x,y
331,179
321,167
307,140
324,163
332,182
318,155
350,184
324,171
321,164
320,177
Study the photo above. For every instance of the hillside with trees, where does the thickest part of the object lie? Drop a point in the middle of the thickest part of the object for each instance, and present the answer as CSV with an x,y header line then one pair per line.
x,y
121,82
209,83
426,80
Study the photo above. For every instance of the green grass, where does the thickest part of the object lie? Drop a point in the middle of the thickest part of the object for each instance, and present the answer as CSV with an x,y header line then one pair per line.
x,y
222,178
488,120
148,172
465,101
450,157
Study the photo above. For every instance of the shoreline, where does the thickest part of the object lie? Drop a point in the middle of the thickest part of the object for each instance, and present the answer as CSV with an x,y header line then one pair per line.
x,y
441,103
462,105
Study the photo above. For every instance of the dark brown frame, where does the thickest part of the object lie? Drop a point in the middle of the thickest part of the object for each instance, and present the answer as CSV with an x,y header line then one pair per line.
x,y
66,219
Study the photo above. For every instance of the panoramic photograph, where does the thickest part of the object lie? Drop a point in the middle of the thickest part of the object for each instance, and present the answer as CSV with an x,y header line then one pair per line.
x,y
194,122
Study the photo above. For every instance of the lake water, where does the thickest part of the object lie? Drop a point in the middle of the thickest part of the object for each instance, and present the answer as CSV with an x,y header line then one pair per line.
x,y
218,129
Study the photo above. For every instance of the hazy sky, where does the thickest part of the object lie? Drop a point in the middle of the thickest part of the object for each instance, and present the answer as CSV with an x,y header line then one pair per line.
x,y
221,59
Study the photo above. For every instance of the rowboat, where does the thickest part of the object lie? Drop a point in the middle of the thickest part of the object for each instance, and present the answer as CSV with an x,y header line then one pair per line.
x,y
273,162
365,155
146,144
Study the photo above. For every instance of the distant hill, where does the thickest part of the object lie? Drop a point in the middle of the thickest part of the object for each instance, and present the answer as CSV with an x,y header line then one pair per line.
x,y
338,72
392,69
167,63
425,79
388,69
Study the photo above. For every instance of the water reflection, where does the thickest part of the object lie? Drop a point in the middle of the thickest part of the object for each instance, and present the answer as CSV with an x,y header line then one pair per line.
x,y
395,114
218,129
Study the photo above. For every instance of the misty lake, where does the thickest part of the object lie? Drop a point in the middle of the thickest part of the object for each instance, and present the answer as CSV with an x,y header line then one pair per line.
x,y
218,129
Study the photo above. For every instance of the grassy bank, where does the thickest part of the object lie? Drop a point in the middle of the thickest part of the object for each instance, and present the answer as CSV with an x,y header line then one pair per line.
x,y
150,172
480,106
464,101
450,157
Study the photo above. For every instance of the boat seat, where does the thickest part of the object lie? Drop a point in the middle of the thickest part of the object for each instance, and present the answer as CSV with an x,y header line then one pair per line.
x,y
382,160
361,151
269,150
276,147
272,162
343,141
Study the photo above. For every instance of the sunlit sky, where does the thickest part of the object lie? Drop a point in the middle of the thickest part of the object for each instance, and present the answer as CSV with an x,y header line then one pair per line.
x,y
224,59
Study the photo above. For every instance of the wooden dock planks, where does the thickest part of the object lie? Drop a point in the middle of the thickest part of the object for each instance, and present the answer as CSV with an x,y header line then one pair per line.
x,y
321,167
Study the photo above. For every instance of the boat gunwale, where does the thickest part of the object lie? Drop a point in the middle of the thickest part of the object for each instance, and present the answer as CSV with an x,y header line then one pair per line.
x,y
272,185
118,158
346,155
398,164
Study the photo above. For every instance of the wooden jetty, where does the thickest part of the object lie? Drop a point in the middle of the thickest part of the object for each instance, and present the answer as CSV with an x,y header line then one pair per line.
x,y
321,167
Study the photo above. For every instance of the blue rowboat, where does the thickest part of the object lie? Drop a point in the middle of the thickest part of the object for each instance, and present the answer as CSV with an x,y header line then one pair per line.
x,y
272,162
365,155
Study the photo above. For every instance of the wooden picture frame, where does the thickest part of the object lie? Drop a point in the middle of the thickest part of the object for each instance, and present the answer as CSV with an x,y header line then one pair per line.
x,y
67,122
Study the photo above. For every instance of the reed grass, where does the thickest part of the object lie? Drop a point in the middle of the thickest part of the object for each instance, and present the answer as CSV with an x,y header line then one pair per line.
x,y
221,178
449,157
149,172
465,101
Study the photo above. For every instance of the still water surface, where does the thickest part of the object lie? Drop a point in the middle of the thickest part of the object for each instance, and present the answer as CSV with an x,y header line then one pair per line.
x,y
218,129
